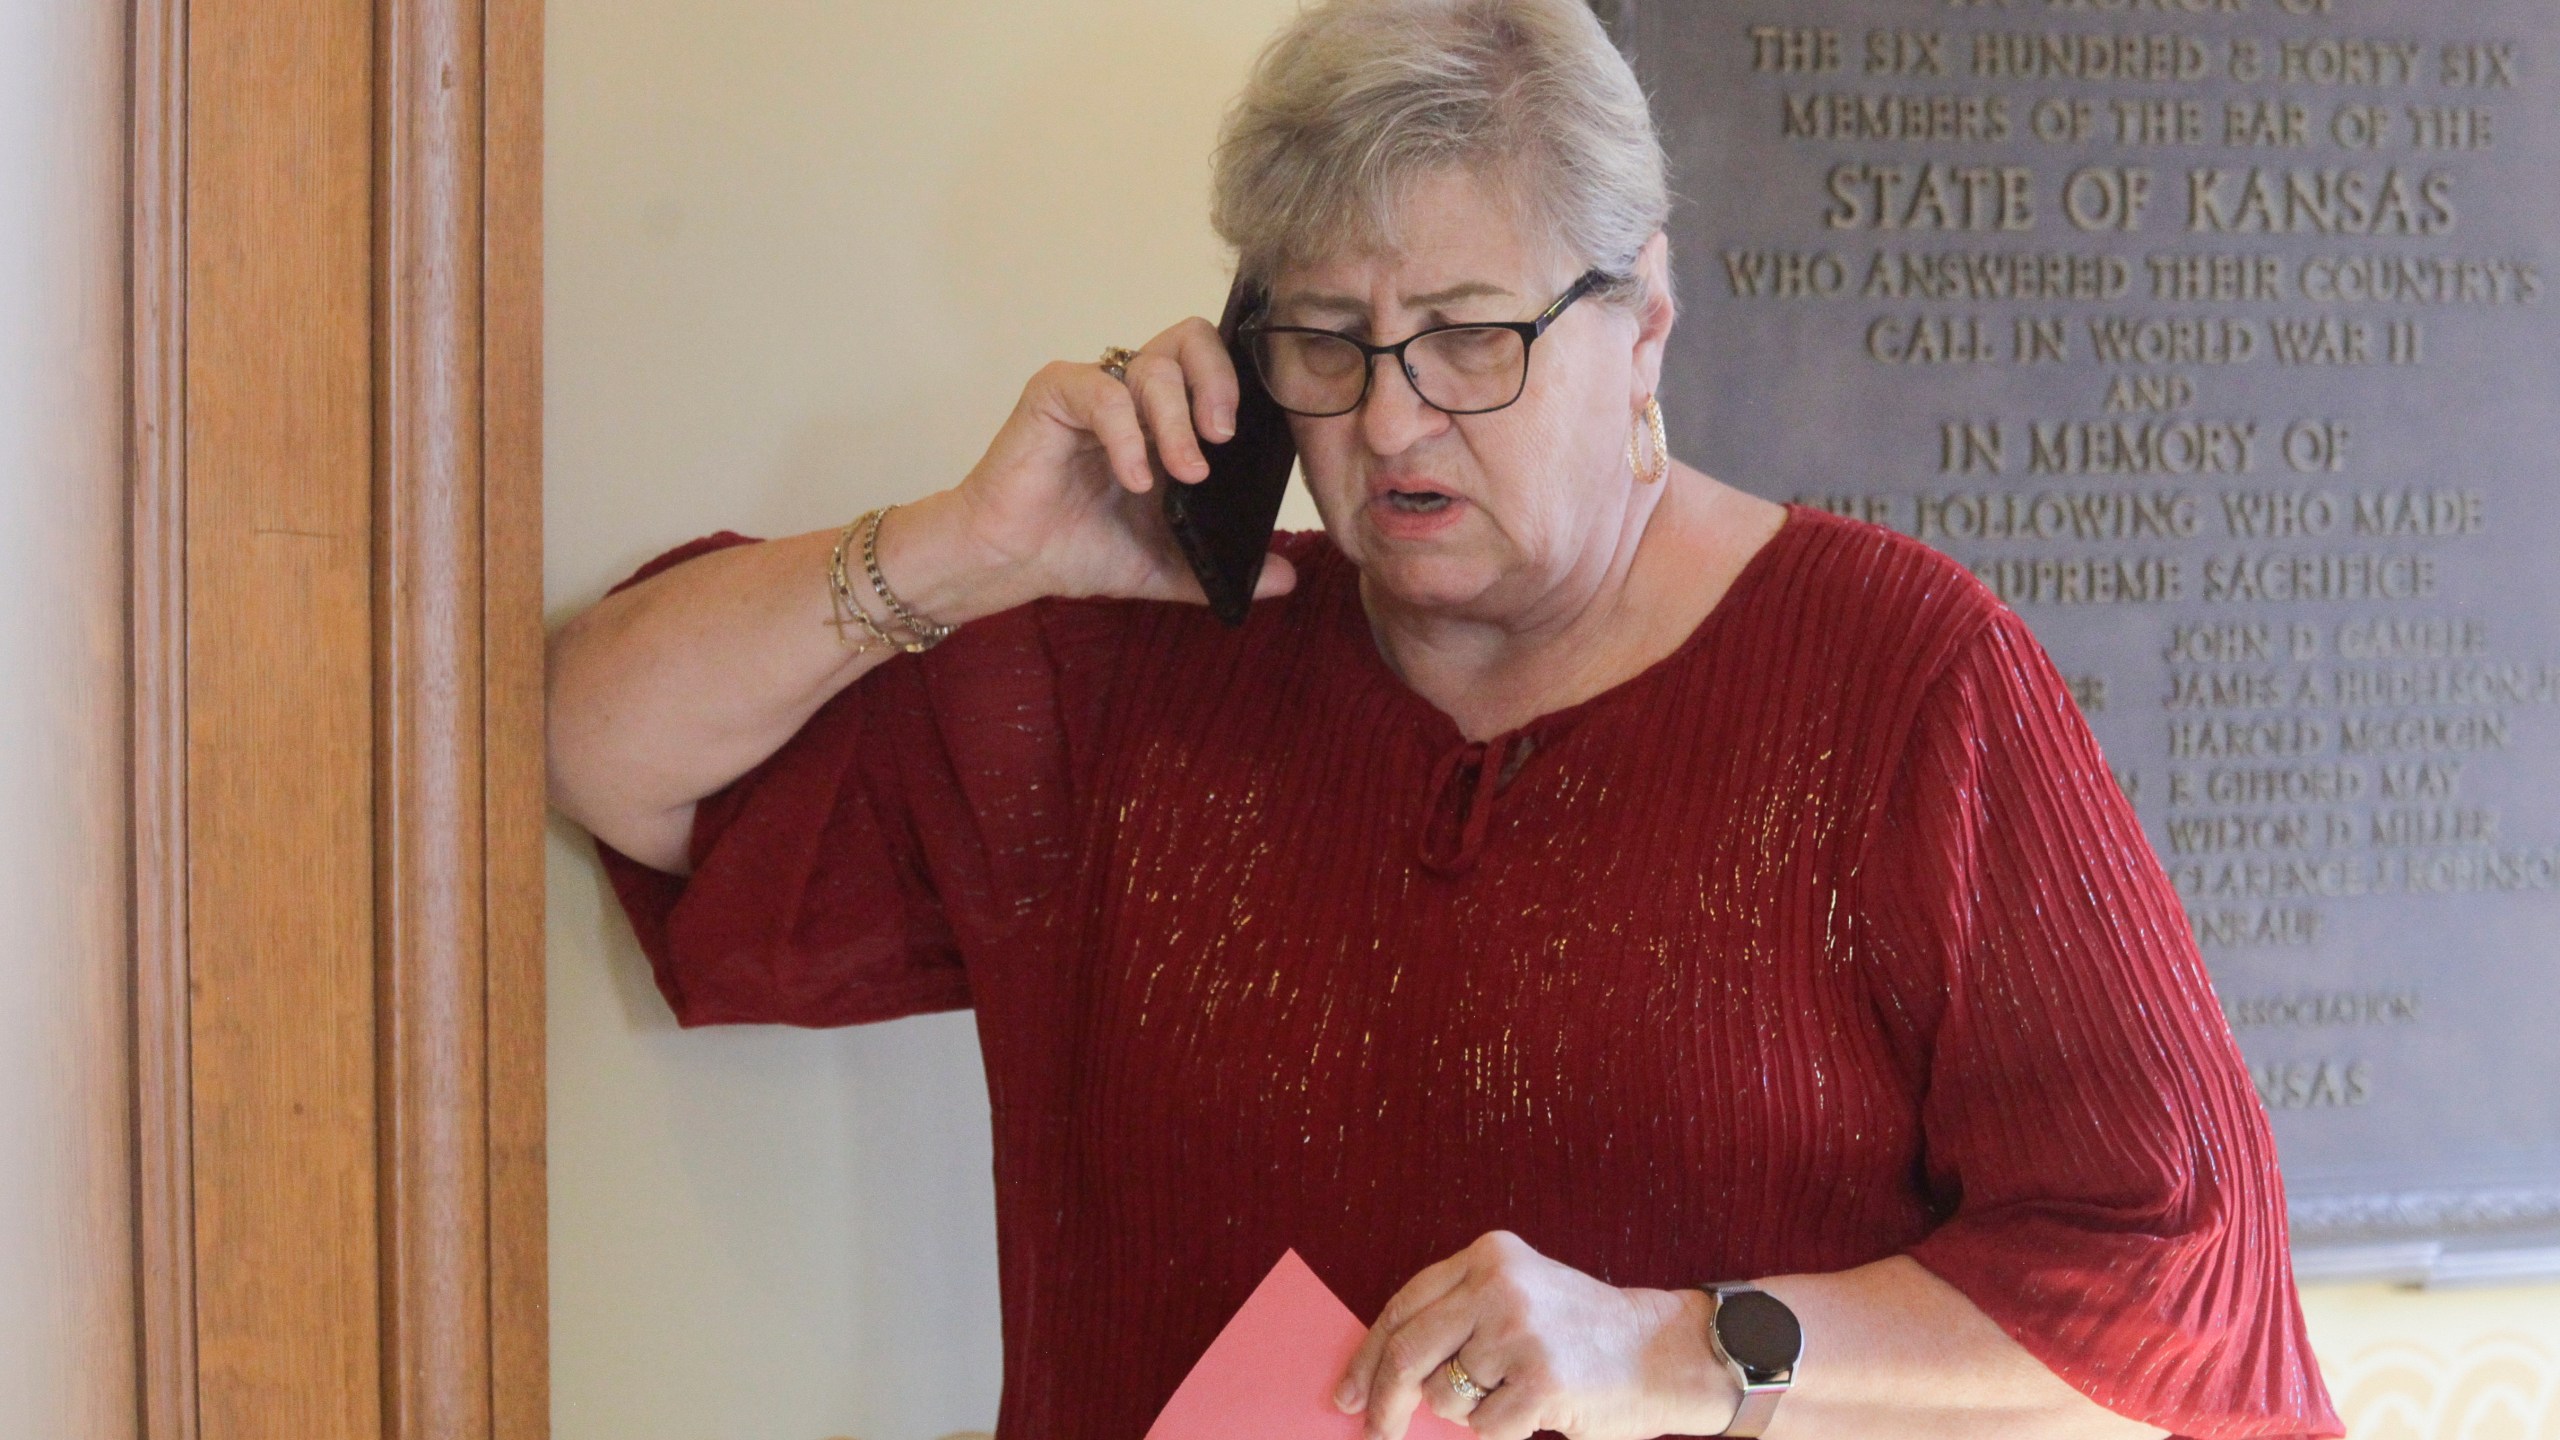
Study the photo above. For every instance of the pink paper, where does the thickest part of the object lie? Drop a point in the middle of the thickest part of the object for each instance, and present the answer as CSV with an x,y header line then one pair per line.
x,y
1270,1374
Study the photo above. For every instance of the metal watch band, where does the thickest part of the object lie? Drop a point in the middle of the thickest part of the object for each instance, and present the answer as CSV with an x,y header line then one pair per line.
x,y
1762,1387
1759,1407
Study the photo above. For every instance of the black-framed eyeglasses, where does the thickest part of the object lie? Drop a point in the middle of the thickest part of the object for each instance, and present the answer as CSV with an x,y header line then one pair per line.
x,y
1459,369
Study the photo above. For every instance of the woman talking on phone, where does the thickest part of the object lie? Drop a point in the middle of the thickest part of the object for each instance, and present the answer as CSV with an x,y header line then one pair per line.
x,y
1680,962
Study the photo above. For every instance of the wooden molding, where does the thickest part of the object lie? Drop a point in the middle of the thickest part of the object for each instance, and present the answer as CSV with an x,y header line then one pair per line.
x,y
511,417
430,846
164,1235
338,792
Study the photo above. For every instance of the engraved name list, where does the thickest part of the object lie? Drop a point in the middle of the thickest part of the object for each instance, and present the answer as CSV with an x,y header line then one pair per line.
x,y
2216,337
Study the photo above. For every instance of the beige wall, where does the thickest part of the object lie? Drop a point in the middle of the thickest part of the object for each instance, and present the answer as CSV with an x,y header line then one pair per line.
x,y
66,1338
802,255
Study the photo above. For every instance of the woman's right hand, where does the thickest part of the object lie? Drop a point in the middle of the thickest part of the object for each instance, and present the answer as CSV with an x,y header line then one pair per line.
x,y
1066,490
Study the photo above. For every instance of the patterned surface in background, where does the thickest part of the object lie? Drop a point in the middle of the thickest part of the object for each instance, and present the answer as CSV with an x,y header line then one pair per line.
x,y
2503,1386
2440,1364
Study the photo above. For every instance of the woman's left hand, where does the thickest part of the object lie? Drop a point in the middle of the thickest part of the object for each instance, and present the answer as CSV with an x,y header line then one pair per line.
x,y
1558,1349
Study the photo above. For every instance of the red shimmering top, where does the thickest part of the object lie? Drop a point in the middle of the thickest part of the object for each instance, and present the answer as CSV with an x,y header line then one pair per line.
x,y
1826,937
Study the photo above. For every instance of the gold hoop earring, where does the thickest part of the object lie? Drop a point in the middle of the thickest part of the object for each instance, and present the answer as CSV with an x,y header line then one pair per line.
x,y
1661,446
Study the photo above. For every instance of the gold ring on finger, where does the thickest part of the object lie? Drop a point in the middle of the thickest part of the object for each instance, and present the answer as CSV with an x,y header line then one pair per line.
x,y
1464,1383
1115,362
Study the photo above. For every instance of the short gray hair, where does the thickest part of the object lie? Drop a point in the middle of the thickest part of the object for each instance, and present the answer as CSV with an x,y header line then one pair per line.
x,y
1356,99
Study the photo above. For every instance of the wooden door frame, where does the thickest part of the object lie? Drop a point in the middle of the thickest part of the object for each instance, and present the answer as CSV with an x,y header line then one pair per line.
x,y
435,372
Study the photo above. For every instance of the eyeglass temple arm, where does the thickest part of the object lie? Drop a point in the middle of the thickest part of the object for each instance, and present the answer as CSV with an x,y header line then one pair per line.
x,y
1591,280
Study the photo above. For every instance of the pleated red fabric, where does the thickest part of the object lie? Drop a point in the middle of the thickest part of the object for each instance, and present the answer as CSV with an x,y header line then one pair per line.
x,y
1826,937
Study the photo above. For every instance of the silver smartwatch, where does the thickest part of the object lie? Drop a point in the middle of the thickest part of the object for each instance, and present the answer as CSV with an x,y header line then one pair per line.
x,y
1758,1339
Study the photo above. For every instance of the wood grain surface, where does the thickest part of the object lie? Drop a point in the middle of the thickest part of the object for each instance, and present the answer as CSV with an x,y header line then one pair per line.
x,y
280,715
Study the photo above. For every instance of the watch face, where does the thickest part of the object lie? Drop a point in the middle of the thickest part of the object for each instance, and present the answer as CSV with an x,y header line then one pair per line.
x,y
1759,1332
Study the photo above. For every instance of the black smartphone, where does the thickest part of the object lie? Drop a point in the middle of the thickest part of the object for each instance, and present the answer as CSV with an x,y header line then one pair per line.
x,y
1223,523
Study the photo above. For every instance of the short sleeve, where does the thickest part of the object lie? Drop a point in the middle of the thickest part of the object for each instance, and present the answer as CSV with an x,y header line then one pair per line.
x,y
914,819
2115,1205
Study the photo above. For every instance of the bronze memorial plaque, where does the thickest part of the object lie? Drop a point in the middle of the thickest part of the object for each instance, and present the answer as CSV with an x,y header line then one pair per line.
x,y
2219,337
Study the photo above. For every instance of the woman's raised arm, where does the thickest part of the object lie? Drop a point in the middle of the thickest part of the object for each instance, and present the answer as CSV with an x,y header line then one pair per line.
x,y
667,691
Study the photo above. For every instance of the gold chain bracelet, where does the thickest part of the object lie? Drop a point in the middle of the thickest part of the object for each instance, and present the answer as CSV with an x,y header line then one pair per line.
x,y
840,586
840,592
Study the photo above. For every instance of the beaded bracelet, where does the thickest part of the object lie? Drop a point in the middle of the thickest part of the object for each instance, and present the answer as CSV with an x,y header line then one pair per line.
x,y
928,633
840,592
840,585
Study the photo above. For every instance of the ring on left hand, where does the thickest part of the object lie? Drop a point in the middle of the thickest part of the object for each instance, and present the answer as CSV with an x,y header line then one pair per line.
x,y
1464,1383
1115,362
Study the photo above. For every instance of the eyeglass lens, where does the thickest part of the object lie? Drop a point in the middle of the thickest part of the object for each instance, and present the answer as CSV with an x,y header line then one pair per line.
x,y
1467,368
